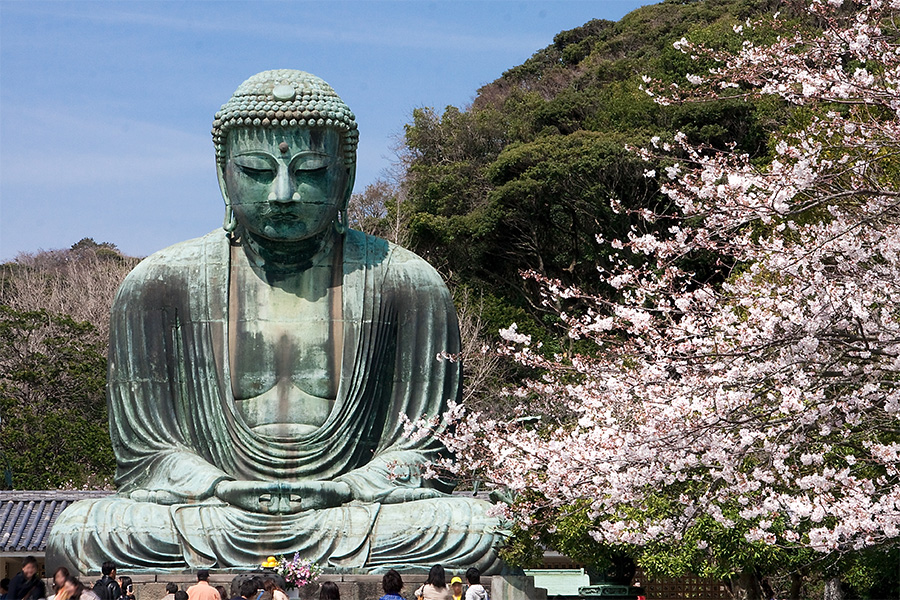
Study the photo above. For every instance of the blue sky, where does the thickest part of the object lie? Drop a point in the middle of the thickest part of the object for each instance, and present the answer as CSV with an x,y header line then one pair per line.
x,y
106,107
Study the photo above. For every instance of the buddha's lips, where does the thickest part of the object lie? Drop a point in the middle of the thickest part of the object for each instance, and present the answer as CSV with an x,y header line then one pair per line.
x,y
279,213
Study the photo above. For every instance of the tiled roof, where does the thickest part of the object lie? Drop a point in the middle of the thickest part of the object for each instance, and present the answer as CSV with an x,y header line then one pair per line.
x,y
27,516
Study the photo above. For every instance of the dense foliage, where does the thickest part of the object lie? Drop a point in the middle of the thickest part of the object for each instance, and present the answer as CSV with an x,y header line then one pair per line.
x,y
54,315
523,178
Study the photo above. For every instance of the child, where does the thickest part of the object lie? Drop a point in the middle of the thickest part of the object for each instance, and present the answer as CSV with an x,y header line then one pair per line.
x,y
476,591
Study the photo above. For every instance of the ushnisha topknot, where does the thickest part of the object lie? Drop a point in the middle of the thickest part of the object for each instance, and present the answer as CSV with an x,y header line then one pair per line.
x,y
285,98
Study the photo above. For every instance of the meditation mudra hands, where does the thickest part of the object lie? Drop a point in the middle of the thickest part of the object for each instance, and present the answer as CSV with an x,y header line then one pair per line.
x,y
266,497
283,497
292,497
286,497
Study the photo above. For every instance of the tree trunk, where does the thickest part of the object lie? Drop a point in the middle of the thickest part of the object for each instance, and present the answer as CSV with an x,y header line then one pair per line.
x,y
796,585
745,586
833,589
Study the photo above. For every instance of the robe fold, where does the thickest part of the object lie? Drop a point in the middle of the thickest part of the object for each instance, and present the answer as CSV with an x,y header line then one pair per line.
x,y
177,432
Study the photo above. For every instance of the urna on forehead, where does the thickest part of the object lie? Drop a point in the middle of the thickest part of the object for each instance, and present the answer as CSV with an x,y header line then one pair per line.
x,y
285,98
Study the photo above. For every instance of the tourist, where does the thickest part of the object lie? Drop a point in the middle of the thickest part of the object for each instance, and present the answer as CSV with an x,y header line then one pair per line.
x,y
223,593
27,585
59,582
75,590
171,588
181,595
476,591
107,588
435,586
202,590
456,588
272,588
329,591
258,584
391,583
127,586
248,591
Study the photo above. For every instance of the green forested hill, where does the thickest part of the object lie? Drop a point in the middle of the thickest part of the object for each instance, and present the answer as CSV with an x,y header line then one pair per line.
x,y
525,177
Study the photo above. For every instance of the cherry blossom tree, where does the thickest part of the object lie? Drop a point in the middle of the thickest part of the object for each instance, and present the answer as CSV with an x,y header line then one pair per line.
x,y
747,419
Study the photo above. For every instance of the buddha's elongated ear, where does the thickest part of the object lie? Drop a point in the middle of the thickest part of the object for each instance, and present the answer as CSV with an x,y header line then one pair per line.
x,y
230,223
342,222
351,180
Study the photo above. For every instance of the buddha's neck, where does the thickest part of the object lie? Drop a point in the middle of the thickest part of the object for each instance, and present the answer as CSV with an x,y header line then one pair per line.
x,y
282,259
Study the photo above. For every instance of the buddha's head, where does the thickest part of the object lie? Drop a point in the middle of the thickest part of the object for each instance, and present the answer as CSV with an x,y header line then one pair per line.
x,y
286,156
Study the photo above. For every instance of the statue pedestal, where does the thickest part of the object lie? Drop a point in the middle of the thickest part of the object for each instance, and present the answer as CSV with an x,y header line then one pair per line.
x,y
150,586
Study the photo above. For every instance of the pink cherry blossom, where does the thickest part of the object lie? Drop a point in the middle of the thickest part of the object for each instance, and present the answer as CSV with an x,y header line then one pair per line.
x,y
775,388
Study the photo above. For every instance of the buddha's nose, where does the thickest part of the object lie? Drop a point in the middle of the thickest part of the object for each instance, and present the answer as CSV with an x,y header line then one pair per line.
x,y
282,187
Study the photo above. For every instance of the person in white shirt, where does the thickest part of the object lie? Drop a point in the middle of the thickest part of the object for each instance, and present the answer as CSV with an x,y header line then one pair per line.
x,y
475,591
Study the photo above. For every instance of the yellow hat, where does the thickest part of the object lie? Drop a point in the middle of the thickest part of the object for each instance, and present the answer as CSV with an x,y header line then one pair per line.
x,y
455,580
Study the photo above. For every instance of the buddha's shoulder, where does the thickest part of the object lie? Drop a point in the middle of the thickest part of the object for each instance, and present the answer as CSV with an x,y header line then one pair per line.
x,y
180,262
397,261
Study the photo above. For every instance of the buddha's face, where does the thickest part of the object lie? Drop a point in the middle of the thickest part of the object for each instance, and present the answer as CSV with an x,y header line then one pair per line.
x,y
285,184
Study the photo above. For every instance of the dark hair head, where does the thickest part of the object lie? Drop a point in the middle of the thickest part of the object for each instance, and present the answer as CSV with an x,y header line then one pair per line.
x,y
436,577
4,583
223,593
269,585
473,575
78,587
248,589
329,591
171,588
392,583
202,574
125,581
59,571
258,582
29,560
108,567
181,595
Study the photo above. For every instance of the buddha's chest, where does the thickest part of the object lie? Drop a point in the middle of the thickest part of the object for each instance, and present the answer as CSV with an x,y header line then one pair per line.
x,y
284,351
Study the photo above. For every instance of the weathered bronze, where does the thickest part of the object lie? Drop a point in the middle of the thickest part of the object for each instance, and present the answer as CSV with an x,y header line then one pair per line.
x,y
259,378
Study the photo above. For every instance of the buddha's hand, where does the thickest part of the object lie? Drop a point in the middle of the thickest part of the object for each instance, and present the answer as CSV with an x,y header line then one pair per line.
x,y
283,497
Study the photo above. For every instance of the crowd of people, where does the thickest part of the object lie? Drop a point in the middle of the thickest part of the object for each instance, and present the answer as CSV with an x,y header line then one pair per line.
x,y
28,585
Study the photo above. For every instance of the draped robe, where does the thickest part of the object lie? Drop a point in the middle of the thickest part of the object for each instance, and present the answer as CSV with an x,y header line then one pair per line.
x,y
177,432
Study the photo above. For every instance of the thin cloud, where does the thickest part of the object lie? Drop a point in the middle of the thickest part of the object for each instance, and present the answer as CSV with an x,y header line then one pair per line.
x,y
109,150
419,34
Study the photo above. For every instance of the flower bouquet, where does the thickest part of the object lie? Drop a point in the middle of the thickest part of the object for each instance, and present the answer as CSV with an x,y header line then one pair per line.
x,y
298,571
